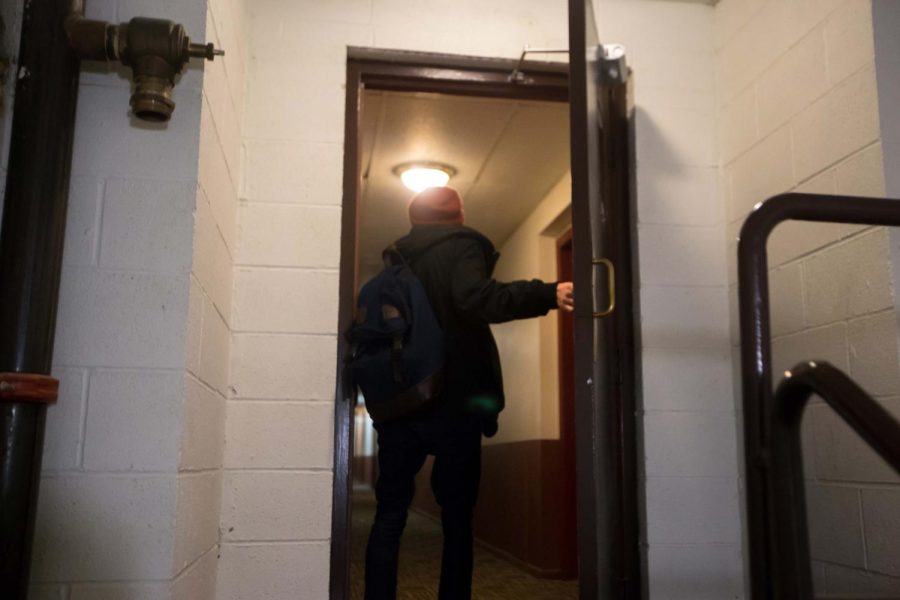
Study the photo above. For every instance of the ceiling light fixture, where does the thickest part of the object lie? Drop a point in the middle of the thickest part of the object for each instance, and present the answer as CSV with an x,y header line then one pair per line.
x,y
418,176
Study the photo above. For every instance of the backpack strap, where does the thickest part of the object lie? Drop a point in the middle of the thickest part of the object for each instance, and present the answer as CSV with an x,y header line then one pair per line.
x,y
397,358
389,253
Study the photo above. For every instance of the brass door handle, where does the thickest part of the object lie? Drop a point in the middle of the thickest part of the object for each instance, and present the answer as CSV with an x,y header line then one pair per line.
x,y
611,279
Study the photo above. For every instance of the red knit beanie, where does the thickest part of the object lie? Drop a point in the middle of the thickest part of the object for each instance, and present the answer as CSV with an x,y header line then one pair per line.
x,y
436,206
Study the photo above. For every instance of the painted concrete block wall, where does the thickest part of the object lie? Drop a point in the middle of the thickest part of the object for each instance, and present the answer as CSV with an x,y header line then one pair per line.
x,y
126,492
529,354
690,465
881,528
798,110
278,462
148,307
209,325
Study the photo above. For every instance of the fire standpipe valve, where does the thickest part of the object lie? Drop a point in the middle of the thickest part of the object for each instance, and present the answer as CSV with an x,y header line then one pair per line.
x,y
156,50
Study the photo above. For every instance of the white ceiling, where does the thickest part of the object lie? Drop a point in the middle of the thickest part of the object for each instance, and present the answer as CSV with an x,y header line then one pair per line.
x,y
508,154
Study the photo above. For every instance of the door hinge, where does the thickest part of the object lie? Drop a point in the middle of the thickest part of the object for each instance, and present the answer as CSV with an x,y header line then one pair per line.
x,y
612,64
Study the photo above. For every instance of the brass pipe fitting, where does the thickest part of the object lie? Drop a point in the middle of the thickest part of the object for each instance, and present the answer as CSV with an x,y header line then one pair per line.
x,y
156,50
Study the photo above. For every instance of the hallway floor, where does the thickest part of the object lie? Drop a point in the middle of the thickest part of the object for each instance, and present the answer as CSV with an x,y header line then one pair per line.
x,y
420,560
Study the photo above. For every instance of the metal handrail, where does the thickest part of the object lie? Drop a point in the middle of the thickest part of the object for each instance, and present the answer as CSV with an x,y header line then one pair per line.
x,y
788,527
778,542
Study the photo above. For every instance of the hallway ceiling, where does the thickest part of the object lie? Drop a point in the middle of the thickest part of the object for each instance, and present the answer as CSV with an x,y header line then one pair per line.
x,y
508,155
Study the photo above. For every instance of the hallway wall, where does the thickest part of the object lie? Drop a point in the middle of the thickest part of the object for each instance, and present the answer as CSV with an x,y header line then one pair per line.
x,y
130,494
528,349
118,515
798,110
692,549
202,485
276,516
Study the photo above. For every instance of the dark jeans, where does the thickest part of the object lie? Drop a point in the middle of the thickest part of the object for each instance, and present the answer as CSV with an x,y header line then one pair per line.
x,y
403,446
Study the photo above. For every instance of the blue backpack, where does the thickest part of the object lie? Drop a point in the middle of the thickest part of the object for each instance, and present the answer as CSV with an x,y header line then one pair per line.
x,y
397,346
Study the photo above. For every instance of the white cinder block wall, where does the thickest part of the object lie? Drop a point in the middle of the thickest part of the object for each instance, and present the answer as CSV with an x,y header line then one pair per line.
x,y
164,280
208,335
690,464
798,110
278,456
131,481
277,498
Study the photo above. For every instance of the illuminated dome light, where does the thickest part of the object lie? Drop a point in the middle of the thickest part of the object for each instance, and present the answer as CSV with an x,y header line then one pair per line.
x,y
419,176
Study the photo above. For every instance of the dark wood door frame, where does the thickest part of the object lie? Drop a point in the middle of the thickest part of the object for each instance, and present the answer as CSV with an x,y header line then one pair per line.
x,y
566,351
620,334
399,71
402,71
606,362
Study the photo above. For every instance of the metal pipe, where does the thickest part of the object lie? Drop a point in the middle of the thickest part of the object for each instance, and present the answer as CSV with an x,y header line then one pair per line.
x,y
55,36
156,50
31,244
756,351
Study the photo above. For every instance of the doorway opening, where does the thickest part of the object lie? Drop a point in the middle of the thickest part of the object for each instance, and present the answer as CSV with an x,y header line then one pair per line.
x,y
425,88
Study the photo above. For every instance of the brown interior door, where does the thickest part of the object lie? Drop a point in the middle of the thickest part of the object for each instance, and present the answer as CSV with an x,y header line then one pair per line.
x,y
569,537
605,362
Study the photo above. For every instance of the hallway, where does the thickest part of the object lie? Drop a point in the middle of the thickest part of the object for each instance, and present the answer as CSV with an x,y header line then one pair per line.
x,y
494,579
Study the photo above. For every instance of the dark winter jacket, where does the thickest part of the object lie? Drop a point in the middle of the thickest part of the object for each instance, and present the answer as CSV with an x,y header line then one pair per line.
x,y
456,274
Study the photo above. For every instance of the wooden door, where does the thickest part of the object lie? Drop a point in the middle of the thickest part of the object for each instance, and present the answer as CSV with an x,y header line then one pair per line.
x,y
605,362
569,537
